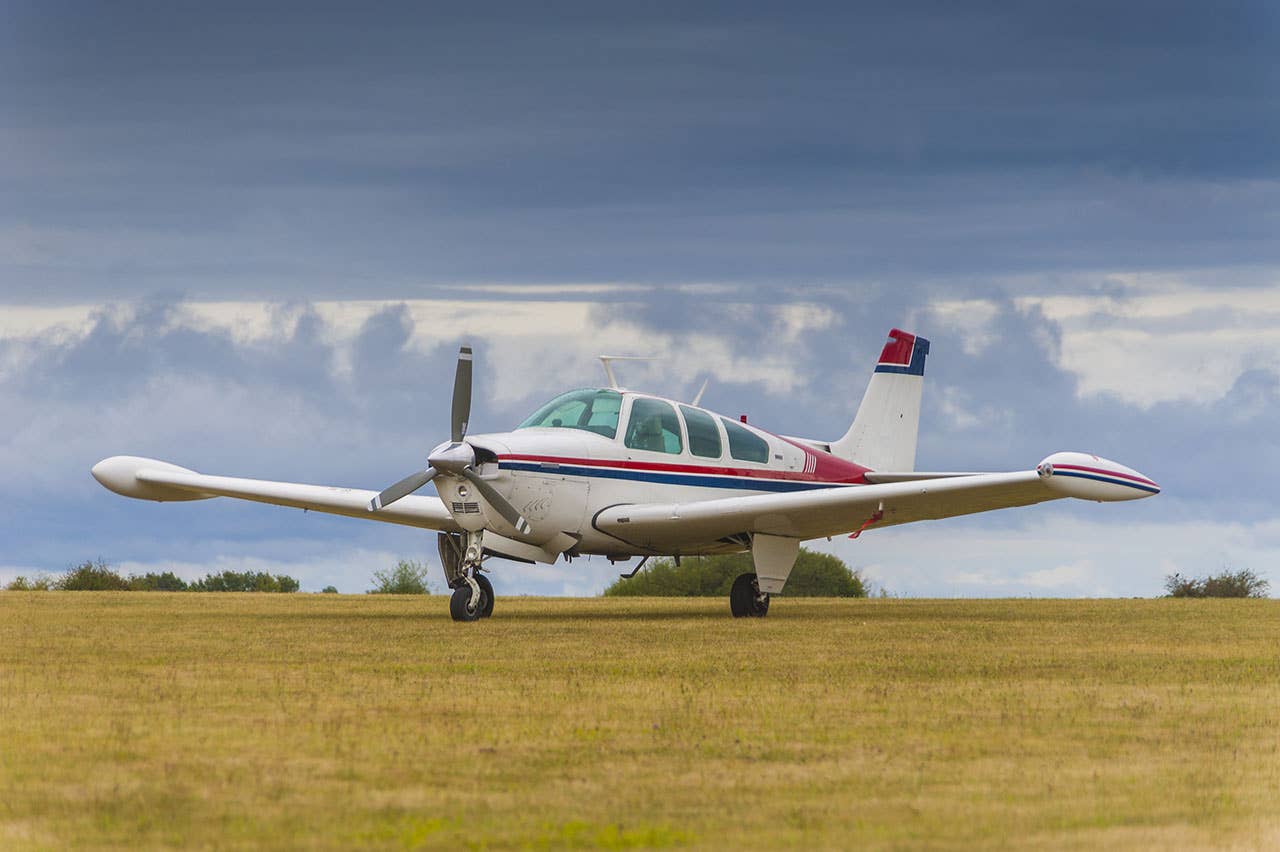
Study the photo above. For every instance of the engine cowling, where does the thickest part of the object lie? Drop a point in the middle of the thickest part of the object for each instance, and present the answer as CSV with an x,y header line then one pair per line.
x,y
1090,477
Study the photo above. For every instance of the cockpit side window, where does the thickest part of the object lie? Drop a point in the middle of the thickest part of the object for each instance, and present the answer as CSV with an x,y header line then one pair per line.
x,y
745,445
654,427
591,410
704,437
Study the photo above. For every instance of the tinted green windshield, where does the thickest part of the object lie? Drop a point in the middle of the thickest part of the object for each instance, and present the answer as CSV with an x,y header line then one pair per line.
x,y
591,409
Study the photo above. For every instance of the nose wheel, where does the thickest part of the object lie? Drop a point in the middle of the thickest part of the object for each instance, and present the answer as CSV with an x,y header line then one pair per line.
x,y
472,597
473,600
745,598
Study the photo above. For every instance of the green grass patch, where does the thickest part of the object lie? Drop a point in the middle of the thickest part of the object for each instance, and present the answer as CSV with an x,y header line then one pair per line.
x,y
333,721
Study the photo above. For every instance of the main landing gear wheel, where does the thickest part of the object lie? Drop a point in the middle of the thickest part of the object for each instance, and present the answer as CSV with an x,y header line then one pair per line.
x,y
486,588
745,598
461,605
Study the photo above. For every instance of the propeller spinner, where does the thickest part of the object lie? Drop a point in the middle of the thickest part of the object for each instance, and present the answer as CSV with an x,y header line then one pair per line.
x,y
455,458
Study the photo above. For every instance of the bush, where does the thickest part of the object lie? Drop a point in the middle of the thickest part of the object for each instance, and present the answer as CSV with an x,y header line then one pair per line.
x,y
329,590
149,582
1228,584
92,577
248,581
40,583
407,578
814,575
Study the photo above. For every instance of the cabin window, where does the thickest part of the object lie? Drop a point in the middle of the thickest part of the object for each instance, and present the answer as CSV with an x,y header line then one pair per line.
x,y
654,426
745,445
592,410
704,437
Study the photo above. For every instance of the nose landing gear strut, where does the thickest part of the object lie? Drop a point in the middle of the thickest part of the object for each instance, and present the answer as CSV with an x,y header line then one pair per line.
x,y
461,556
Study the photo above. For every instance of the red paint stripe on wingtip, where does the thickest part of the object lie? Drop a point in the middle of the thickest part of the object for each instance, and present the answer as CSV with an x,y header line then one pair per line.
x,y
1105,472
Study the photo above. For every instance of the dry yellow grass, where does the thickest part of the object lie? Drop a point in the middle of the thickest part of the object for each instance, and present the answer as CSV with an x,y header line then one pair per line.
x,y
319,721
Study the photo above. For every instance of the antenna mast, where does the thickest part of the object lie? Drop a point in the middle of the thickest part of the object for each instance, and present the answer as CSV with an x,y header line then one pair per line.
x,y
608,365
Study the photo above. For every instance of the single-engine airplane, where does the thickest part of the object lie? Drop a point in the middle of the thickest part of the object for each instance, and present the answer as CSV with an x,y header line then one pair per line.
x,y
622,474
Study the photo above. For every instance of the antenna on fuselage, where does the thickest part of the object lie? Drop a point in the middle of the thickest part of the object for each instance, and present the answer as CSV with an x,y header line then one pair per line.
x,y
697,399
608,368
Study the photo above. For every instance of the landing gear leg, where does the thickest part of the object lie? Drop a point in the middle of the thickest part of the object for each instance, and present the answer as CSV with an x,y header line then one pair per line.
x,y
472,597
745,598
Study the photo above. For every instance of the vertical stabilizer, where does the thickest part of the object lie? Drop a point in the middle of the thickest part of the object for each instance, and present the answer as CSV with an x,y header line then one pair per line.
x,y
883,434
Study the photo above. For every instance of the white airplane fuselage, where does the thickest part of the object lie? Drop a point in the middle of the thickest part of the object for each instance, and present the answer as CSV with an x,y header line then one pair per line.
x,y
561,478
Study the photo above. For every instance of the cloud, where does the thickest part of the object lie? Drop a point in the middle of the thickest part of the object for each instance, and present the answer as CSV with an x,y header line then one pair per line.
x,y
192,153
354,394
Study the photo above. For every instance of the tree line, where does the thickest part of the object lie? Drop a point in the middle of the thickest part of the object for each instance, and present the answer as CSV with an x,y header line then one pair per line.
x,y
98,576
815,575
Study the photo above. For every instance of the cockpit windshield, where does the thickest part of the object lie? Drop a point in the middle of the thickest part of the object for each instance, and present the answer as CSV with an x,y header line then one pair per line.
x,y
592,409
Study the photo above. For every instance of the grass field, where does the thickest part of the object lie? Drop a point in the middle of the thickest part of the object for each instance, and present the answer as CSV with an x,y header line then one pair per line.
x,y
320,721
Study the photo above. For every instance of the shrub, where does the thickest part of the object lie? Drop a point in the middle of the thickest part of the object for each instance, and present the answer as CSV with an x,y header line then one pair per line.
x,y
247,581
814,575
92,577
39,583
407,578
1228,584
329,590
150,582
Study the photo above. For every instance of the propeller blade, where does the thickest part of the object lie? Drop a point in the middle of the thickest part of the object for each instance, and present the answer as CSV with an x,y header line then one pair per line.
x,y
497,501
462,394
403,488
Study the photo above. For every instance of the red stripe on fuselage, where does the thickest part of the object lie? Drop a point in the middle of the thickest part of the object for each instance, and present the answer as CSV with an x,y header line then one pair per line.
x,y
829,468
842,472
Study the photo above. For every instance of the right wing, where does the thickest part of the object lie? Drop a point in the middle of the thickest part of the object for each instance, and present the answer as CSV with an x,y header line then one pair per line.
x,y
669,527
148,479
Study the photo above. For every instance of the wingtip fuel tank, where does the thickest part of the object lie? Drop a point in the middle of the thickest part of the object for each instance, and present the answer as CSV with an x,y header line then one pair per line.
x,y
1090,477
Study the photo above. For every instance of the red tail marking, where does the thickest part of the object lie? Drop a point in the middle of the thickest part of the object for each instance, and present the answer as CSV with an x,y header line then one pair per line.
x,y
898,349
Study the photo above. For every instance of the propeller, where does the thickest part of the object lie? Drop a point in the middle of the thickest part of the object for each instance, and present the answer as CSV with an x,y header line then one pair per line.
x,y
456,458
403,488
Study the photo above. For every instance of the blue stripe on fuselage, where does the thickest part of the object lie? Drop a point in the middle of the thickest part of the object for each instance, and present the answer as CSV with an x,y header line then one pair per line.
x,y
739,484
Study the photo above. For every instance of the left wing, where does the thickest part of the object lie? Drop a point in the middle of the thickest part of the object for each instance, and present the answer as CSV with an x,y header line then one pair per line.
x,y
149,479
834,511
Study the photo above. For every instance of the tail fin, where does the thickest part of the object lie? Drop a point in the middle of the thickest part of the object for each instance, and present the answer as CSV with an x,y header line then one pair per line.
x,y
883,434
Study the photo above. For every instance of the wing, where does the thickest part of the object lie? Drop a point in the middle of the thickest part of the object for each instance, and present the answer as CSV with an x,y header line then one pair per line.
x,y
148,479
834,511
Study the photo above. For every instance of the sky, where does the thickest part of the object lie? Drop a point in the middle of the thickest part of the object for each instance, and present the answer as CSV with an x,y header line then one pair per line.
x,y
249,238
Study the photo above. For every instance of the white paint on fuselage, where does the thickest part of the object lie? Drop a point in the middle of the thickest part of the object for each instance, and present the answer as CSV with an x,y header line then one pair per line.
x,y
560,478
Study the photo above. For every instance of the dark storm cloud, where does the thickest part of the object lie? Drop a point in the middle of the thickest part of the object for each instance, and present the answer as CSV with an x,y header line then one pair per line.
x,y
342,150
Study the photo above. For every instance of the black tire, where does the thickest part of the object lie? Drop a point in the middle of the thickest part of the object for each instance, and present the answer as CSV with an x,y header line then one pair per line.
x,y
486,589
458,608
745,600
